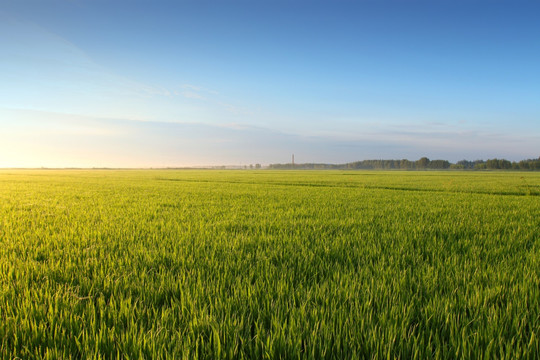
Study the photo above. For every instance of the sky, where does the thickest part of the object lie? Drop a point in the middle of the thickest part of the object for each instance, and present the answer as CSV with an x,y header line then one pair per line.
x,y
94,83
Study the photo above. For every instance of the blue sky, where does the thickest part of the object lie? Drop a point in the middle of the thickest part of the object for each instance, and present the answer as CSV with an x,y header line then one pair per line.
x,y
156,83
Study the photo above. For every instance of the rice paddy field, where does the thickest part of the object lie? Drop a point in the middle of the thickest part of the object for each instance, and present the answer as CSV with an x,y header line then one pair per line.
x,y
200,264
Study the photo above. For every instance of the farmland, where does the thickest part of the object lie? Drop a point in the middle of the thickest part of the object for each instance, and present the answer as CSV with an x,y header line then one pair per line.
x,y
269,264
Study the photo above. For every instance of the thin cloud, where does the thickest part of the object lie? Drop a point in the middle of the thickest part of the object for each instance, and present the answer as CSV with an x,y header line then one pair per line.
x,y
236,110
30,138
198,89
191,95
196,92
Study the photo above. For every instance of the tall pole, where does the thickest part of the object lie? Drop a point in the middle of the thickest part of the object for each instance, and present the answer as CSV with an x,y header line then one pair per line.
x,y
293,160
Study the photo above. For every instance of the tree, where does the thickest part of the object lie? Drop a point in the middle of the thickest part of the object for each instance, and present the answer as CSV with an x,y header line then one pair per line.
x,y
465,164
405,164
439,164
422,163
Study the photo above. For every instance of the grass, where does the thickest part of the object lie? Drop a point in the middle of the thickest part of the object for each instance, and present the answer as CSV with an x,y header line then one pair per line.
x,y
269,264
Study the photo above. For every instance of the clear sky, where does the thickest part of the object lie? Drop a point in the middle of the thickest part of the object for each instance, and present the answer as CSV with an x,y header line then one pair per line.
x,y
179,83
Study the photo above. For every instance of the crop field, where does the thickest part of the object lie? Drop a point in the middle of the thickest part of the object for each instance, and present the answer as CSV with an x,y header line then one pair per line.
x,y
263,264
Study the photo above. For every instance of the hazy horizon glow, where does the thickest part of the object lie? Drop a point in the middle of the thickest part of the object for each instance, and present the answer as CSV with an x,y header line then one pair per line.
x,y
159,84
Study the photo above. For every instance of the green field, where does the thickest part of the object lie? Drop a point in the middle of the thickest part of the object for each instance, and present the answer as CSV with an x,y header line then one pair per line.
x,y
269,264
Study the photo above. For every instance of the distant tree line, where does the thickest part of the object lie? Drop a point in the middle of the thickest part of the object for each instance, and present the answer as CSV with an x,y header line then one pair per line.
x,y
421,164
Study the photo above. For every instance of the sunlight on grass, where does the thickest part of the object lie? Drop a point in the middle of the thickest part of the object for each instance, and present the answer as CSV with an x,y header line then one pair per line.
x,y
269,264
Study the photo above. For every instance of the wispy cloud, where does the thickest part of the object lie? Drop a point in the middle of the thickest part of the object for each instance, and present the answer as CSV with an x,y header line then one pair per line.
x,y
198,89
236,110
213,98
33,139
196,92
190,95
49,72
